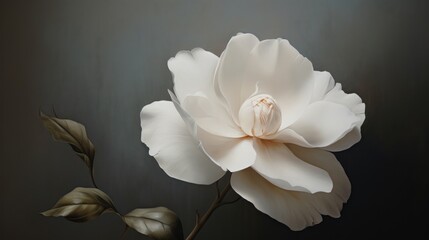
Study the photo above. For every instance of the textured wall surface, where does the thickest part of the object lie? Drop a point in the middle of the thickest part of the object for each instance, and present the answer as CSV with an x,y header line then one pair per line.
x,y
100,62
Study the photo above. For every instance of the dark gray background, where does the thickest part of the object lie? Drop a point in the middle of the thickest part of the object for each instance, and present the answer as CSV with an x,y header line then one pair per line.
x,y
100,62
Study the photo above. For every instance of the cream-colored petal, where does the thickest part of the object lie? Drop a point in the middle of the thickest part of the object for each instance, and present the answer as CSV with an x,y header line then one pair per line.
x,y
297,210
233,154
347,141
193,71
174,148
282,205
342,188
189,121
288,136
354,103
323,83
324,123
350,100
231,79
283,73
281,167
211,116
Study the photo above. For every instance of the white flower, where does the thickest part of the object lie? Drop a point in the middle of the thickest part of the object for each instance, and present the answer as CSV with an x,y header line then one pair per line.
x,y
261,112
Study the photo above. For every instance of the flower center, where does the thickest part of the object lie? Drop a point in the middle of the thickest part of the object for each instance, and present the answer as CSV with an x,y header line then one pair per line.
x,y
260,115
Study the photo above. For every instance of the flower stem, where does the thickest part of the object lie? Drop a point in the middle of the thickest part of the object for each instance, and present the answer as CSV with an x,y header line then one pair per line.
x,y
92,178
123,232
200,221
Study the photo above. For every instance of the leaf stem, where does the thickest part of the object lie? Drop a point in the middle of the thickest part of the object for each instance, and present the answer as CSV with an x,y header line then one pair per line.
x,y
92,177
123,232
200,221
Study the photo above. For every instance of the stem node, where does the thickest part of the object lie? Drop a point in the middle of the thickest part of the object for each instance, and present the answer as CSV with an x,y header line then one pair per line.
x,y
201,220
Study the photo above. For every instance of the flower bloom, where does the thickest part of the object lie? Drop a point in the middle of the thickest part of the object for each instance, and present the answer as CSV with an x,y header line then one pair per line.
x,y
261,112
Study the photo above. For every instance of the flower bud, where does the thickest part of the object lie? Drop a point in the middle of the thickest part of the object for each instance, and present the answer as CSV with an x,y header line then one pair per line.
x,y
260,115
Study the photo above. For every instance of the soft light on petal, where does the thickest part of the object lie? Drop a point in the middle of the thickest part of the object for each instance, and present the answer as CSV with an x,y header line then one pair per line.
x,y
327,203
282,72
280,204
174,148
351,100
324,123
346,142
297,210
354,103
189,121
231,76
210,116
280,166
192,71
323,83
233,154
288,136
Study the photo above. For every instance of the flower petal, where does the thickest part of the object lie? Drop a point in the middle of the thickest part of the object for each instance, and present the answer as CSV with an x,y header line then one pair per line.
x,y
190,123
192,71
322,124
347,141
282,72
173,147
327,203
323,83
351,100
354,103
210,116
233,154
276,163
231,76
297,210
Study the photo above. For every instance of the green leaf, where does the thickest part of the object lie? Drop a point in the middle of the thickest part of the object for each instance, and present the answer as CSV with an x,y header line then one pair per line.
x,y
158,223
73,133
81,205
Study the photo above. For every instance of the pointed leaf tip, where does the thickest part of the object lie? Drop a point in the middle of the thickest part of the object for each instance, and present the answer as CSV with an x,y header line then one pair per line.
x,y
81,205
73,133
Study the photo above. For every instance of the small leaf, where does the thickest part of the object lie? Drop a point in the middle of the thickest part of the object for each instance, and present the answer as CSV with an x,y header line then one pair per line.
x,y
158,223
73,133
81,205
